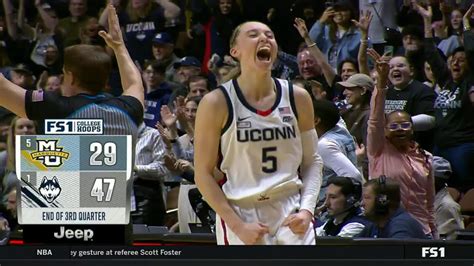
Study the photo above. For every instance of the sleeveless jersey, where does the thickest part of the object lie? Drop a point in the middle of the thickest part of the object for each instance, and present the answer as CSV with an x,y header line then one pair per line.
x,y
261,150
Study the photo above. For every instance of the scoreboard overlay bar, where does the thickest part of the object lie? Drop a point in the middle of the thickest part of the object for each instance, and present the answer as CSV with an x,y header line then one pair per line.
x,y
75,180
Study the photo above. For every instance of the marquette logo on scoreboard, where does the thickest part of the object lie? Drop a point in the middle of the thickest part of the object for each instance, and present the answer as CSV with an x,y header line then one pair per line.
x,y
49,153
74,126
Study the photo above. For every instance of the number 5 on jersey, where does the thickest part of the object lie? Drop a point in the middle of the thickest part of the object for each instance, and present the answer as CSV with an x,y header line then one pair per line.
x,y
269,161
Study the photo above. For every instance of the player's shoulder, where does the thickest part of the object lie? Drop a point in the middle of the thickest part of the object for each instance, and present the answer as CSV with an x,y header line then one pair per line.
x,y
300,93
302,98
215,102
215,97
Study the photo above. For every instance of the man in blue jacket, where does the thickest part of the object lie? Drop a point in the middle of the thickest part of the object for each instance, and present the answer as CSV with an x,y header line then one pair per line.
x,y
381,203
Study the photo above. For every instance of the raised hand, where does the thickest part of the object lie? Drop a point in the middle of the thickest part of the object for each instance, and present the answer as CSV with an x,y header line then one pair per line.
x,y
373,54
426,13
180,108
164,134
114,37
381,66
168,117
181,114
300,25
328,14
467,17
364,21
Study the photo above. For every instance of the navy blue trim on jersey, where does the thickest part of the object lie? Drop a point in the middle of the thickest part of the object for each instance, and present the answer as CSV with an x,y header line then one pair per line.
x,y
292,98
230,110
248,106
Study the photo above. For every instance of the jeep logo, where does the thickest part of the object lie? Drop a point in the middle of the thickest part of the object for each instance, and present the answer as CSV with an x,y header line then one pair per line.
x,y
84,234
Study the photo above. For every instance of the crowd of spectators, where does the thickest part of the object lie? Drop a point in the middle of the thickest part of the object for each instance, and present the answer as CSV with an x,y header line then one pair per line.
x,y
392,84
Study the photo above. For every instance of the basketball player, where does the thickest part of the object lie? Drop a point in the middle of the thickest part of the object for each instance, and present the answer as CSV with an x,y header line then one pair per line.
x,y
264,130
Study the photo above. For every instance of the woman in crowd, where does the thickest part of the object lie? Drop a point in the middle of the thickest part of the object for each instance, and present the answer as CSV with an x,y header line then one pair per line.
x,y
19,126
335,34
141,20
393,152
454,105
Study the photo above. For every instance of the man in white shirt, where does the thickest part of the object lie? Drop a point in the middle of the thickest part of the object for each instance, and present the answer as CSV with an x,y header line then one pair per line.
x,y
342,202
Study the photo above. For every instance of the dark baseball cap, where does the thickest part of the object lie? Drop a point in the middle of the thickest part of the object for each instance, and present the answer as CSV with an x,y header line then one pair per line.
x,y
163,38
22,68
414,31
187,61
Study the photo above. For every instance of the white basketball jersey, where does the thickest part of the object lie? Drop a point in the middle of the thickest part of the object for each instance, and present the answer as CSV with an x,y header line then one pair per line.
x,y
261,150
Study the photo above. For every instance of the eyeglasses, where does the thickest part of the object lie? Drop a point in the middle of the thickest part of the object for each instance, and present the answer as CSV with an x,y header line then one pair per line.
x,y
396,126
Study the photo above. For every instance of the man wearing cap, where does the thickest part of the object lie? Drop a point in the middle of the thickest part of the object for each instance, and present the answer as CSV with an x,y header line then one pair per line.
x,y
163,52
22,76
187,67
447,211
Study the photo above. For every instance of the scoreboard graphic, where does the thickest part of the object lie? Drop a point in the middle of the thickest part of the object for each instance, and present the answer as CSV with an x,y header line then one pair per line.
x,y
75,180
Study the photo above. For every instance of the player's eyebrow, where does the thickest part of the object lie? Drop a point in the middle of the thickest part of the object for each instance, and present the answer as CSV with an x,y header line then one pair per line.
x,y
252,31
256,31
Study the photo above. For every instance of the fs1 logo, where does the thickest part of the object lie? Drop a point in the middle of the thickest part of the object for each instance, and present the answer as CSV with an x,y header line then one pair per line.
x,y
74,126
58,126
49,153
433,252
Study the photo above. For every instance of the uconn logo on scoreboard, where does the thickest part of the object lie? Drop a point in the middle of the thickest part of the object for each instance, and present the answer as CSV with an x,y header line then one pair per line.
x,y
74,126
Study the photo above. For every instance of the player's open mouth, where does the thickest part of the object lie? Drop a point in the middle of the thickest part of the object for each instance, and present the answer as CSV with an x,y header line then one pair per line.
x,y
264,54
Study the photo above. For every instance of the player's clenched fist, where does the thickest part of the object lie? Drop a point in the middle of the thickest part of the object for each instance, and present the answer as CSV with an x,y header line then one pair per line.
x,y
251,233
298,222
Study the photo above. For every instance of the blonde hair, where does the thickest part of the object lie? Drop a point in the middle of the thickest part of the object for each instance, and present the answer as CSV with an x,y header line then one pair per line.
x,y
236,71
10,167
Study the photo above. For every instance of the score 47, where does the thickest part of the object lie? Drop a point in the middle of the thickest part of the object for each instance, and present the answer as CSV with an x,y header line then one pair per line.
x,y
108,152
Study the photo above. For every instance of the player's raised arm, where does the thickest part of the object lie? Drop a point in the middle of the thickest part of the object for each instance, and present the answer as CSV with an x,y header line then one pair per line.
x,y
311,166
12,97
129,74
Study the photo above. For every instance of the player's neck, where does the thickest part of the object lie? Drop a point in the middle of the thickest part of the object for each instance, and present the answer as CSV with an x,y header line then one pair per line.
x,y
256,85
